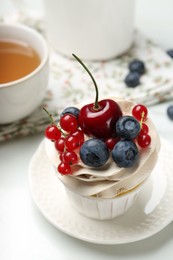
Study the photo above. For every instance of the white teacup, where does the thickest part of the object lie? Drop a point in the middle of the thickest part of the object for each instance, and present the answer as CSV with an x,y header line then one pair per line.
x,y
21,97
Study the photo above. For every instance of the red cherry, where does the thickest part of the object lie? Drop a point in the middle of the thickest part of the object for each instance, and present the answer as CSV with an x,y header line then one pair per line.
x,y
98,118
72,143
100,122
111,142
79,134
144,129
68,123
52,132
69,157
144,140
140,112
60,144
64,168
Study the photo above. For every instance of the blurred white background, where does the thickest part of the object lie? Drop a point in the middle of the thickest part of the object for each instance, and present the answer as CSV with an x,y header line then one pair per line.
x,y
153,17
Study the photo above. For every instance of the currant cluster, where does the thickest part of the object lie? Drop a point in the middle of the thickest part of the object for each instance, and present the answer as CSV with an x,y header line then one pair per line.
x,y
67,138
140,112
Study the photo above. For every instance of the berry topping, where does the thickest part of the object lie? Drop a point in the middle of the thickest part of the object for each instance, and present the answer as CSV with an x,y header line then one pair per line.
x,y
64,168
105,128
52,132
132,80
94,153
125,153
127,127
144,140
170,112
140,112
137,66
126,133
68,123
70,110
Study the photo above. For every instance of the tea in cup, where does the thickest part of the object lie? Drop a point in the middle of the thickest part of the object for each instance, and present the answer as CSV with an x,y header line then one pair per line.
x,y
23,71
17,60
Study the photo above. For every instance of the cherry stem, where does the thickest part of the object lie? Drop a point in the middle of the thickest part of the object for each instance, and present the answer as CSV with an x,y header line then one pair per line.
x,y
50,116
96,105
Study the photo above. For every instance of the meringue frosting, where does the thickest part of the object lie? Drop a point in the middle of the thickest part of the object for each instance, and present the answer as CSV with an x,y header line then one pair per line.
x,y
110,180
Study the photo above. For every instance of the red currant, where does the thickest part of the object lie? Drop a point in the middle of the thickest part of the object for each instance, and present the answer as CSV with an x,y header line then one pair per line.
x,y
61,157
140,112
60,144
68,123
72,143
111,142
144,129
69,157
53,133
144,140
79,134
64,168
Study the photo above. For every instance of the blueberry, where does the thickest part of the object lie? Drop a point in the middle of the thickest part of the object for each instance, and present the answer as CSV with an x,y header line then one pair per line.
x,y
125,153
132,80
94,152
127,127
170,53
170,112
137,66
70,110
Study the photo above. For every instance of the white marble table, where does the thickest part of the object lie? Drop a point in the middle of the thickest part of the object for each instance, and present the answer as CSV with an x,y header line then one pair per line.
x,y
26,234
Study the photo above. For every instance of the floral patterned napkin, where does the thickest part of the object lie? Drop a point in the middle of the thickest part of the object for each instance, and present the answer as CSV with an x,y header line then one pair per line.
x,y
70,84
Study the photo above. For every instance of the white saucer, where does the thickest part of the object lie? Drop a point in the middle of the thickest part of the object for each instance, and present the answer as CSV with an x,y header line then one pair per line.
x,y
152,211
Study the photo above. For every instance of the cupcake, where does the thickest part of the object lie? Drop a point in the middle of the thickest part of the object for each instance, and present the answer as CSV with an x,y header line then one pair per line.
x,y
103,153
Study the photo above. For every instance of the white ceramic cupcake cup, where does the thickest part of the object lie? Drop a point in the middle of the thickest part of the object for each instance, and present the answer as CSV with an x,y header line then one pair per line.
x,y
98,208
